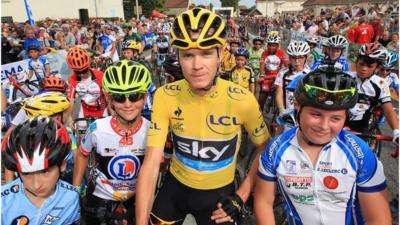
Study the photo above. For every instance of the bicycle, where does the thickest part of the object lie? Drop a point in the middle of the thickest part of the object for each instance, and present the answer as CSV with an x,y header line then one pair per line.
x,y
159,68
21,87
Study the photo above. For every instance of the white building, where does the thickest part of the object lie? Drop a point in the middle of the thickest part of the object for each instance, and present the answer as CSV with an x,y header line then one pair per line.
x,y
61,8
270,7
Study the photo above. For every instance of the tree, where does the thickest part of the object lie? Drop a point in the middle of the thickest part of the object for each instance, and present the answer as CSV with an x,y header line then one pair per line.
x,y
230,3
147,7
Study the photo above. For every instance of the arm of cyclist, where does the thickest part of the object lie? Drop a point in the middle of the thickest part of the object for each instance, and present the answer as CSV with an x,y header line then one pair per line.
x,y
391,117
264,198
146,185
88,143
47,68
375,208
280,101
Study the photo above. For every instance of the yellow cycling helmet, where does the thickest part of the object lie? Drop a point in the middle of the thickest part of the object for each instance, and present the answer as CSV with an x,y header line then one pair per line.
x,y
130,44
127,77
209,25
273,37
46,104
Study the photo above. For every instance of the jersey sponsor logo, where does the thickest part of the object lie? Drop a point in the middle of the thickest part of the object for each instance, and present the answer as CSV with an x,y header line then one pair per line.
x,y
178,127
177,113
260,130
205,150
20,220
67,186
303,199
14,188
355,146
236,93
154,126
50,219
305,167
219,123
172,89
290,166
331,182
124,167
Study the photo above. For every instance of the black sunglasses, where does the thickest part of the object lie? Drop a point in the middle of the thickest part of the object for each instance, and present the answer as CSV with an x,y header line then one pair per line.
x,y
385,70
121,98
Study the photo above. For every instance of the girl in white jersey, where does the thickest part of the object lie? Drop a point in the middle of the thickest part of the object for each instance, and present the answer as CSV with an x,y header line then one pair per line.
x,y
119,143
325,174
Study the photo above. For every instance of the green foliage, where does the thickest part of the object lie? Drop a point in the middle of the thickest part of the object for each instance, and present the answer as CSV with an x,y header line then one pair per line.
x,y
230,3
147,7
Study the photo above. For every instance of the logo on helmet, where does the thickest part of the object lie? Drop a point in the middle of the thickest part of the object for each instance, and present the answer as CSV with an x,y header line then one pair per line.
x,y
124,167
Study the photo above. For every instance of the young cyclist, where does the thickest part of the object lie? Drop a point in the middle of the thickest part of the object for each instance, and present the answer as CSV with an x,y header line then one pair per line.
x,y
85,83
130,49
391,78
255,55
228,59
315,55
325,174
242,74
298,52
335,48
161,49
37,151
272,60
373,90
205,114
37,64
119,142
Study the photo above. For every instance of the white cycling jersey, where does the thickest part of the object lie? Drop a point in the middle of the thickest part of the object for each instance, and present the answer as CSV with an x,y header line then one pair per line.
x,y
324,193
283,79
371,92
119,155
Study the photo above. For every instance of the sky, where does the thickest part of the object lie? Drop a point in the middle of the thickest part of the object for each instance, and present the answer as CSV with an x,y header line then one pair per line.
x,y
217,3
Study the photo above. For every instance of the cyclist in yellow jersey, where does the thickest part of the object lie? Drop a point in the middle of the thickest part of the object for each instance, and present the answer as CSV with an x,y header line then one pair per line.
x,y
206,115
242,74
228,58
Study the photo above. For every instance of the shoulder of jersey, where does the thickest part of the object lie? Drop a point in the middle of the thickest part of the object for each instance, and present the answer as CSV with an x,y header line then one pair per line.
x,y
98,123
248,68
279,141
174,88
235,91
11,188
66,187
354,143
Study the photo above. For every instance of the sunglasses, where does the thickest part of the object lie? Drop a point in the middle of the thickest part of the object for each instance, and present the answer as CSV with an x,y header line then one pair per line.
x,y
385,70
121,98
323,95
81,71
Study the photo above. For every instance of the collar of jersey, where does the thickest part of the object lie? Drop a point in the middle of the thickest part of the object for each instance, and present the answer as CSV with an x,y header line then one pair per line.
x,y
295,142
209,96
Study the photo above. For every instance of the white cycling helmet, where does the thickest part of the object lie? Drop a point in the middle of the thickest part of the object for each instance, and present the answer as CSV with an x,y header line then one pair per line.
x,y
298,48
313,40
374,51
337,41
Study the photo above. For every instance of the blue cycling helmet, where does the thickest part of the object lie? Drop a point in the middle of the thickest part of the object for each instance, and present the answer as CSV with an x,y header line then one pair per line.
x,y
242,52
391,58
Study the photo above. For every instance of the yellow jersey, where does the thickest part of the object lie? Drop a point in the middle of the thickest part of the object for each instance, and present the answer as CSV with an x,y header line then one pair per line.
x,y
243,76
206,130
228,62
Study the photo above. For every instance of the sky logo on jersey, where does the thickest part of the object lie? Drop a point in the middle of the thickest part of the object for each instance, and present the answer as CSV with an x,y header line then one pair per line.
x,y
205,155
124,167
220,123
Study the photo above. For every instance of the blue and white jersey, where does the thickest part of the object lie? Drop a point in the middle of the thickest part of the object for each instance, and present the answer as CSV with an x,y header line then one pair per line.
x,y
38,67
392,81
149,102
324,193
340,63
61,208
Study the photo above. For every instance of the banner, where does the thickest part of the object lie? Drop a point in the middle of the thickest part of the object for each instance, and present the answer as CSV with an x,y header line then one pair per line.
x,y
13,69
29,12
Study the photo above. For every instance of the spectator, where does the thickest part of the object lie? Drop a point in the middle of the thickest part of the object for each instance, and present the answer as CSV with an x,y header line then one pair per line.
x,y
377,26
364,32
394,43
69,38
385,39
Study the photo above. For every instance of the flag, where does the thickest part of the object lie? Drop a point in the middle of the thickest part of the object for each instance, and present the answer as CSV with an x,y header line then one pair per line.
x,y
29,12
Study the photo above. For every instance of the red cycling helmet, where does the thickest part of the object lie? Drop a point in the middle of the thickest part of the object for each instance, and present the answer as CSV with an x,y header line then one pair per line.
x,y
53,83
36,145
78,59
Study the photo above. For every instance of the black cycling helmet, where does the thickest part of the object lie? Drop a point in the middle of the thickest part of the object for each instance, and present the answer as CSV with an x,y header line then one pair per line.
x,y
173,68
33,47
258,38
36,145
327,88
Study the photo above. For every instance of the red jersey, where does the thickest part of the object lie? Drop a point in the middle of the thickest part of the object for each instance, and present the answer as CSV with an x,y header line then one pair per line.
x,y
270,64
90,90
364,34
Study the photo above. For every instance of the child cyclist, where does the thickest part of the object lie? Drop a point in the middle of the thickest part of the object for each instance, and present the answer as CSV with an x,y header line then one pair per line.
x,y
119,142
228,59
391,78
255,55
130,51
324,173
242,74
37,151
373,91
335,48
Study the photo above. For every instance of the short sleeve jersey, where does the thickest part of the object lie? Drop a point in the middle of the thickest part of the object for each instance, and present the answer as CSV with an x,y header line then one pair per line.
x,y
206,130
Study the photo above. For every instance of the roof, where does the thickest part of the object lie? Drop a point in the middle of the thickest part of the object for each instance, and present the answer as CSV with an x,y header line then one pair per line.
x,y
341,2
176,4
